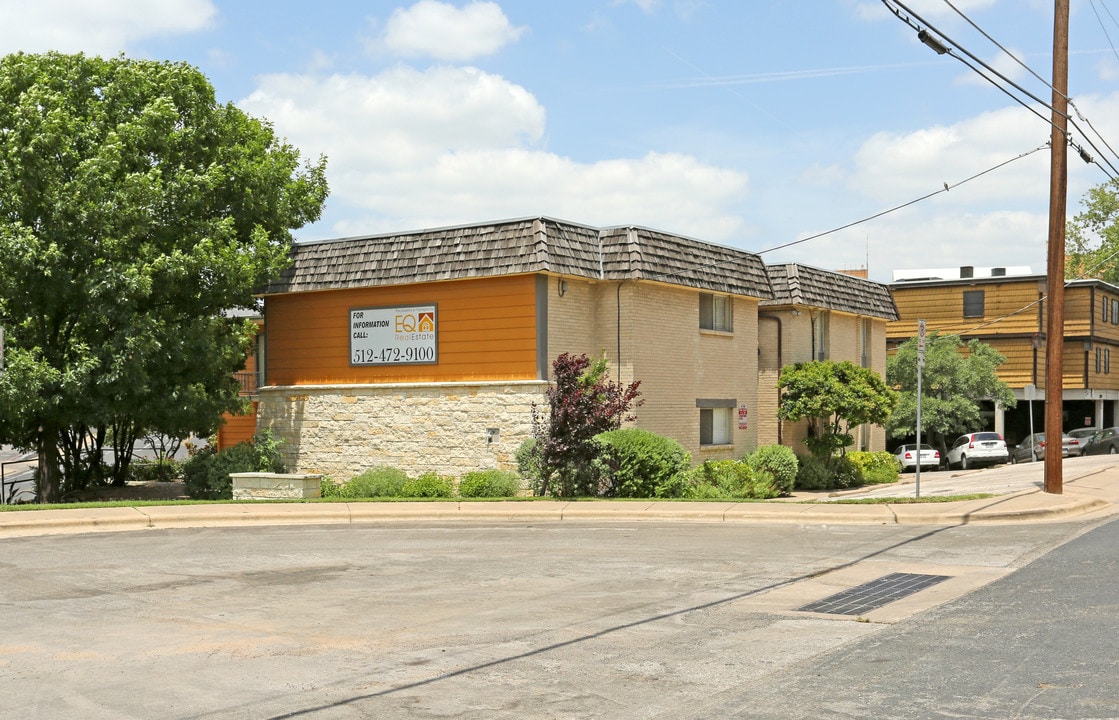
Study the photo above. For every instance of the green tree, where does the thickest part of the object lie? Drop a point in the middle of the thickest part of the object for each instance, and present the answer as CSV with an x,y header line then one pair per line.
x,y
833,396
135,212
955,378
1092,237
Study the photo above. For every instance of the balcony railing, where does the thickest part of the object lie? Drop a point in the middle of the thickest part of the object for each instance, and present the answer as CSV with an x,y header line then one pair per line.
x,y
248,382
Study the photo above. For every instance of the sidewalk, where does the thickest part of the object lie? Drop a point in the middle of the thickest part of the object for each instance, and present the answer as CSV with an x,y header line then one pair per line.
x,y
1090,489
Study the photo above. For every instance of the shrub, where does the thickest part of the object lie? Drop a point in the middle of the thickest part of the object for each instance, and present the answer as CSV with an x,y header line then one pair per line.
x,y
144,470
813,474
429,485
729,479
816,474
639,463
528,466
582,403
846,473
328,488
374,483
206,473
780,462
875,467
489,484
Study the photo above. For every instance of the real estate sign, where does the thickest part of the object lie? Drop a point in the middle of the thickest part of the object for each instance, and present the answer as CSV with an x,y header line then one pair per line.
x,y
400,335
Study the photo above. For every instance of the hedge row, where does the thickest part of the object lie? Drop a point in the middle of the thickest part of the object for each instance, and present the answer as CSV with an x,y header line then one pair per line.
x,y
390,482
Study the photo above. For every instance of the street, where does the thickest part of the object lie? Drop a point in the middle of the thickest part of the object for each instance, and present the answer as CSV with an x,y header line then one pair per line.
x,y
516,620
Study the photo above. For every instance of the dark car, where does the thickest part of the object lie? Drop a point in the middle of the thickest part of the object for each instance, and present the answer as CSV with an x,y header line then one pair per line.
x,y
1104,442
1082,436
1033,448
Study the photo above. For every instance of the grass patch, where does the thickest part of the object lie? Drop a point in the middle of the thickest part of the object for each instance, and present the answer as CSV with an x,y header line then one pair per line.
x,y
910,500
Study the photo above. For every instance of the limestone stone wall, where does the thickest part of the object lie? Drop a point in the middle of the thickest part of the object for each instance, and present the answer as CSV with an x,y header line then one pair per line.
x,y
448,428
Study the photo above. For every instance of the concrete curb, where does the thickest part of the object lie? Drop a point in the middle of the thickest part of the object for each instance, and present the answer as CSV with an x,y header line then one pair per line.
x,y
1025,506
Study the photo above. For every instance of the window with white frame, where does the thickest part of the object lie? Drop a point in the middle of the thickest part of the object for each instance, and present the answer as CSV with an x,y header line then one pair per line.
x,y
716,418
715,312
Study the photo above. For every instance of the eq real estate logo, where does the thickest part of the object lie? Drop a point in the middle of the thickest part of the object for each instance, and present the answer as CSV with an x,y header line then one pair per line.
x,y
401,335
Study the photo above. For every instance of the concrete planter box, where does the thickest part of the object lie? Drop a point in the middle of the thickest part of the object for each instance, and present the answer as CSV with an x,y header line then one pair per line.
x,y
275,486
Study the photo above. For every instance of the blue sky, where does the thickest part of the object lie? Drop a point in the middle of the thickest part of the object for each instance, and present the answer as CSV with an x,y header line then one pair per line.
x,y
753,124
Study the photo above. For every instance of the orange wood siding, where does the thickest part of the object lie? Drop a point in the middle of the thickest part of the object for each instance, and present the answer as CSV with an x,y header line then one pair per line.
x,y
1078,311
486,331
237,428
1008,308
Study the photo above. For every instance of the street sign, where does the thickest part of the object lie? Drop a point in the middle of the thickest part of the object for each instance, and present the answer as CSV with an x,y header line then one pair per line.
x,y
920,343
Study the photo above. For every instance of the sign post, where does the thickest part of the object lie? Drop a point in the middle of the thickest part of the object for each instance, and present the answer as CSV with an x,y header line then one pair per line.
x,y
920,371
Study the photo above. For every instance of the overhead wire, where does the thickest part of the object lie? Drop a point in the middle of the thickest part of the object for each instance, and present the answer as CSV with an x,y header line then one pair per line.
x,y
1106,34
1045,82
992,71
944,189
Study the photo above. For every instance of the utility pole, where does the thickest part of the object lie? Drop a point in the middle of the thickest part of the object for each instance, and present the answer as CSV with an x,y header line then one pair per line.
x,y
1055,278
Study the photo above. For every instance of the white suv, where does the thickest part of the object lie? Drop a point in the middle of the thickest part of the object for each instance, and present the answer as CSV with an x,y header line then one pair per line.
x,y
978,448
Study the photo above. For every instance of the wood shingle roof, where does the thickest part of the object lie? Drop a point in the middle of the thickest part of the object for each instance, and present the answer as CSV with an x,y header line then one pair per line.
x,y
529,245
807,286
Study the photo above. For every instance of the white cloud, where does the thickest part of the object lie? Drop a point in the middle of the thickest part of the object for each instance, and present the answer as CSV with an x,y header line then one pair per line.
x,y
410,149
646,5
440,30
106,27
903,166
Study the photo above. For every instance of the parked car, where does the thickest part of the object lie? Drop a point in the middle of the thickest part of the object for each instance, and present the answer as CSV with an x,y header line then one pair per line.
x,y
1103,442
978,448
1082,436
907,457
1032,448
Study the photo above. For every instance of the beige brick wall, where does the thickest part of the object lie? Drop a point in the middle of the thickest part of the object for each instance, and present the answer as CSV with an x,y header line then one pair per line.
x,y
796,332
657,337
344,430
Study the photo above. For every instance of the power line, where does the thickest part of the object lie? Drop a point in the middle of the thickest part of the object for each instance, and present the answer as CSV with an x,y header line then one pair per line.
x,y
940,48
1100,21
944,189
1045,82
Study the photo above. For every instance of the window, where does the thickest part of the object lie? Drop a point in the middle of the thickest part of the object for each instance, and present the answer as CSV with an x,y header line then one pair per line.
x,y
1106,361
973,303
715,312
1099,360
1103,309
716,419
820,336
1115,312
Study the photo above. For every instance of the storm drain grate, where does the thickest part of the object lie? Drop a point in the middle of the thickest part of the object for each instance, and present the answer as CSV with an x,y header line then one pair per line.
x,y
874,594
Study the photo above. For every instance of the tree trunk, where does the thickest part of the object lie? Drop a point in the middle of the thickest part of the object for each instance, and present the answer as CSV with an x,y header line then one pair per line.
x,y
49,482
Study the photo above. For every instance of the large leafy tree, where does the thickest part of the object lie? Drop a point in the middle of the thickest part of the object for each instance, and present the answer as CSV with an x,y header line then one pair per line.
x,y
955,378
1092,237
833,396
135,212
